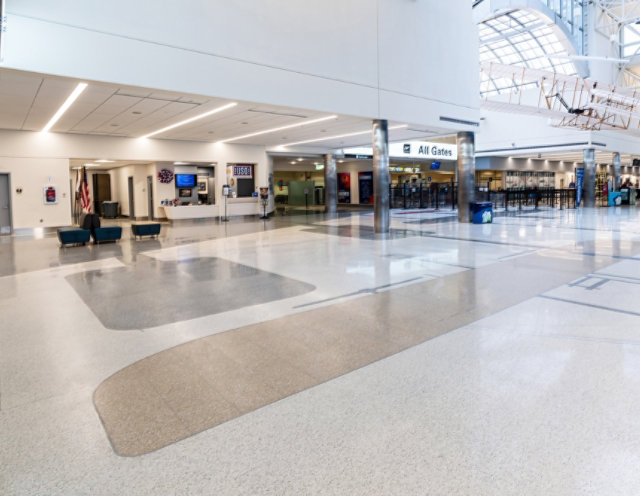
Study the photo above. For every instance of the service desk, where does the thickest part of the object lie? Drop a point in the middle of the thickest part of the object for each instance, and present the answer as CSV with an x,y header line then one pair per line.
x,y
240,206
191,212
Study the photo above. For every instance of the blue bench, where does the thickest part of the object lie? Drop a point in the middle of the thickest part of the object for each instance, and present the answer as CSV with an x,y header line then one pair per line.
x,y
140,230
107,233
73,235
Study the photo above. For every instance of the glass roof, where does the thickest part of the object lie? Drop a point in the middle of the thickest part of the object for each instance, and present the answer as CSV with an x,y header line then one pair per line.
x,y
520,38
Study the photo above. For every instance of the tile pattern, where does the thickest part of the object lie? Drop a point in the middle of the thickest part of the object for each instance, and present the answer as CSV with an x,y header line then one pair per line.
x,y
151,292
198,385
539,398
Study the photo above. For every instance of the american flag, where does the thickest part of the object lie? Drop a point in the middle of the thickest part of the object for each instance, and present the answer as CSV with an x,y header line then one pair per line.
x,y
84,193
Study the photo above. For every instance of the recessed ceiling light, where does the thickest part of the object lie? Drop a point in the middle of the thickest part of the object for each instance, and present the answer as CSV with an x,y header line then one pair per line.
x,y
281,128
348,135
245,123
136,112
104,161
293,162
65,106
300,159
187,121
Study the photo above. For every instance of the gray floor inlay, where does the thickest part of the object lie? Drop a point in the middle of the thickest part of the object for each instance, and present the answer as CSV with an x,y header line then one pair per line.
x,y
150,293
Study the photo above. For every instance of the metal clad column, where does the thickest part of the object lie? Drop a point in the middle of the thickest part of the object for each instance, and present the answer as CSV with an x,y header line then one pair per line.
x,y
381,177
589,178
330,185
617,176
466,174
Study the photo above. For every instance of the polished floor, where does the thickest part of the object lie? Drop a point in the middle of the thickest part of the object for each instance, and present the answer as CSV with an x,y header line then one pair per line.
x,y
305,355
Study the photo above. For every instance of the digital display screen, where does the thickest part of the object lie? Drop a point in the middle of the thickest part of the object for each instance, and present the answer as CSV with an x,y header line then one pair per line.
x,y
435,165
185,180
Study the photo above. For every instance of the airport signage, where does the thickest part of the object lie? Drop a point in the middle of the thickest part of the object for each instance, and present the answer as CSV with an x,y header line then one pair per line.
x,y
410,149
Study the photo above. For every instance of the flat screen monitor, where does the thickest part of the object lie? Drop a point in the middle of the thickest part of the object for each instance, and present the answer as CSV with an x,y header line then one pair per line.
x,y
435,165
185,180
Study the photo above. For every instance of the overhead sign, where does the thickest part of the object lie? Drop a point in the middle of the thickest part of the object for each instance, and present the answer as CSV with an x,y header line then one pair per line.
x,y
412,149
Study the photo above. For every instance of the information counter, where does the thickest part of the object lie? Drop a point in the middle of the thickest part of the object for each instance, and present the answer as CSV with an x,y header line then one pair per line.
x,y
235,206
191,212
240,206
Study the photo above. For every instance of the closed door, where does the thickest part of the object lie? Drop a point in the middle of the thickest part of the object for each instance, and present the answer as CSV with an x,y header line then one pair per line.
x,y
150,196
5,205
132,210
101,191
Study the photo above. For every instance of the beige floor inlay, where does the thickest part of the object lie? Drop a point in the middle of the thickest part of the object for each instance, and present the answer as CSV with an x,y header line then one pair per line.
x,y
193,387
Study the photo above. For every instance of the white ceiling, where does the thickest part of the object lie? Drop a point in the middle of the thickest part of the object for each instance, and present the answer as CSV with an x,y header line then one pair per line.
x,y
28,101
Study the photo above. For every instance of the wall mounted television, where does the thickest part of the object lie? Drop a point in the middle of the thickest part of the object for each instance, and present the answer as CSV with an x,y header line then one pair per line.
x,y
185,180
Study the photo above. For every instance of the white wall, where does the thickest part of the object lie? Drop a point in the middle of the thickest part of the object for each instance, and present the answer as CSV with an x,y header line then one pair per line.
x,y
33,157
503,134
120,188
392,59
31,175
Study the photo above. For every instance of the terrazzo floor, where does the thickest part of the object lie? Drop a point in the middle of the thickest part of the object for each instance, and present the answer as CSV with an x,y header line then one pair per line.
x,y
456,359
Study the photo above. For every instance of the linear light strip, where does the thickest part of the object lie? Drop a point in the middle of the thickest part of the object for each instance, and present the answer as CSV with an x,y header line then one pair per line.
x,y
281,128
192,119
327,138
65,106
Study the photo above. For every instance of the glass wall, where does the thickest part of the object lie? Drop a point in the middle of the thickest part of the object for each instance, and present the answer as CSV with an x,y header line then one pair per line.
x,y
570,13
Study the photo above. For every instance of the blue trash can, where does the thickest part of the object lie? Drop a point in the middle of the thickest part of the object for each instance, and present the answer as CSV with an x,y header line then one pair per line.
x,y
615,199
481,212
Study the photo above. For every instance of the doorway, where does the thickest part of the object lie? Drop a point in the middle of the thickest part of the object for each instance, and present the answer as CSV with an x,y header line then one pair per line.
x,y
5,205
150,197
101,191
132,214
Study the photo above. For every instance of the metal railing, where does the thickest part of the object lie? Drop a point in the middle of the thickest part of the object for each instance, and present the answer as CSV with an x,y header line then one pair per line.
x,y
529,198
441,196
436,196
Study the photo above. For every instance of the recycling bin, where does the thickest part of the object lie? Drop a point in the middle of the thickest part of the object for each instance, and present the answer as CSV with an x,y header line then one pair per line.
x,y
481,212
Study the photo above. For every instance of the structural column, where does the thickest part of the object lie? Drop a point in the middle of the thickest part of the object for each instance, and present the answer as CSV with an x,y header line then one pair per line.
x,y
589,178
617,176
466,174
381,177
330,185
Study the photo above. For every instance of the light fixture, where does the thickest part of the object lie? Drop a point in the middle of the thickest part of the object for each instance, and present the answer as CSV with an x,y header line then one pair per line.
x,y
65,106
91,165
327,138
104,161
181,163
191,119
300,159
281,128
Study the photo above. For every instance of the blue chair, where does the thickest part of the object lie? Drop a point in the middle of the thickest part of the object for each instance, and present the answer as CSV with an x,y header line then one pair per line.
x,y
139,230
107,233
73,236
